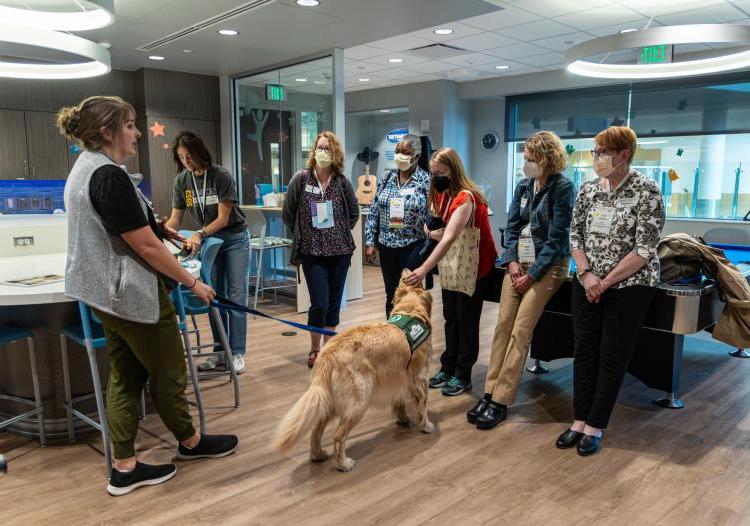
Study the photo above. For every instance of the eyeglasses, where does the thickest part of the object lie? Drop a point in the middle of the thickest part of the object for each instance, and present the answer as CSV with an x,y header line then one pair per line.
x,y
600,151
439,174
323,149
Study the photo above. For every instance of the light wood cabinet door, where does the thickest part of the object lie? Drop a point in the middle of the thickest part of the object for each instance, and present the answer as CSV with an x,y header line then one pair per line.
x,y
48,149
13,154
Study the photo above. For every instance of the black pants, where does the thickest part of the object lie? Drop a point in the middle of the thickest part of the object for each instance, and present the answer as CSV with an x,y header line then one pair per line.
x,y
392,262
325,277
605,337
462,314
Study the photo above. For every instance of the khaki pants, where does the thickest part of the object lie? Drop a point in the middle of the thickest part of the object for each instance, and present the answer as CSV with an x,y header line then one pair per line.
x,y
140,352
515,326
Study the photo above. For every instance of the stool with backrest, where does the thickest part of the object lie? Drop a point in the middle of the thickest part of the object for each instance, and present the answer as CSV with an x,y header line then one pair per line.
x,y
260,243
730,236
194,307
8,335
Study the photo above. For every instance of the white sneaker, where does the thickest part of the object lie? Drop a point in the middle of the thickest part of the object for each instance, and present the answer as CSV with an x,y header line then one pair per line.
x,y
210,364
238,361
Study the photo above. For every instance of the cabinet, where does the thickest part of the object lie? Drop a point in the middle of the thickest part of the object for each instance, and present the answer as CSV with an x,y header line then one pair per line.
x,y
47,148
13,154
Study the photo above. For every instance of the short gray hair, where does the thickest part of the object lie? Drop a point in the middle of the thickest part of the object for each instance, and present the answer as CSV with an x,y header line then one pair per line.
x,y
413,141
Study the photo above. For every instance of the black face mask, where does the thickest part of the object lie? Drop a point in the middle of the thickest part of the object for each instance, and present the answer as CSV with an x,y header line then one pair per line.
x,y
441,182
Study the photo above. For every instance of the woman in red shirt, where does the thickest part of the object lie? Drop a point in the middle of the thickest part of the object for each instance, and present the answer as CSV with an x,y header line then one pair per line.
x,y
458,201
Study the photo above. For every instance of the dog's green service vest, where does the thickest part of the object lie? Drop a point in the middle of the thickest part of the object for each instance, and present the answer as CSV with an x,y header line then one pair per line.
x,y
415,331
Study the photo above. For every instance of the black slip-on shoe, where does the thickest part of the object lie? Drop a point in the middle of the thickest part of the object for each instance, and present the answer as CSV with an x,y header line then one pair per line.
x,y
492,415
588,445
142,475
568,439
209,446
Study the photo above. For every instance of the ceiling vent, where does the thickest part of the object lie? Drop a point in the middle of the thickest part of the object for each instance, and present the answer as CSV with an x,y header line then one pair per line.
x,y
437,51
203,24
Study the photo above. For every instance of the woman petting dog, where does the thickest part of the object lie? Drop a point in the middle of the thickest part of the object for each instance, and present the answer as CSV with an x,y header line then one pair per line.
x,y
382,363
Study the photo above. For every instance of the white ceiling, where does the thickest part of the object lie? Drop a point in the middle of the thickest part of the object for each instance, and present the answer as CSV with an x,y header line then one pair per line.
x,y
528,35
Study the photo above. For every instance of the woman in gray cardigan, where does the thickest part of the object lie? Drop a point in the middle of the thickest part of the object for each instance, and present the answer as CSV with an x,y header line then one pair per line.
x,y
117,264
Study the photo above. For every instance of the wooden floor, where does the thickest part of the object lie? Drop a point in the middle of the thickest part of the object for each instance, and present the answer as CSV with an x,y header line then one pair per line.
x,y
657,466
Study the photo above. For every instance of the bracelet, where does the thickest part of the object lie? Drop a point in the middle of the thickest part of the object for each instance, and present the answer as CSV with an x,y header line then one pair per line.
x,y
195,282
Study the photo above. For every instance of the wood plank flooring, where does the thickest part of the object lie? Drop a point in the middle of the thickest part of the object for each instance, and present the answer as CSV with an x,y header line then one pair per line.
x,y
657,466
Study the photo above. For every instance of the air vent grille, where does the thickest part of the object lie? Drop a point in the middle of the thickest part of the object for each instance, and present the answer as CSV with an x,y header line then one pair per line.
x,y
437,51
203,24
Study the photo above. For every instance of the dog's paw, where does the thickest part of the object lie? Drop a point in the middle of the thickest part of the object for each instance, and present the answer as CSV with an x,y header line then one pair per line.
x,y
429,427
347,465
319,456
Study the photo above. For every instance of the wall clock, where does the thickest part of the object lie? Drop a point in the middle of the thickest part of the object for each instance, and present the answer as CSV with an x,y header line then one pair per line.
x,y
490,140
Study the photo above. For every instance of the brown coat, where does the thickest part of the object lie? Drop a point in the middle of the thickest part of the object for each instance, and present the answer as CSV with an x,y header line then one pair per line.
x,y
733,327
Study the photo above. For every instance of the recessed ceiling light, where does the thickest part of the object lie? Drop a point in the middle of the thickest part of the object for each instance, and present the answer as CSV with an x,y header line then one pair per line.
x,y
503,66
319,82
363,79
187,50
443,31
300,80
308,3
384,111
155,57
395,60
228,32
627,30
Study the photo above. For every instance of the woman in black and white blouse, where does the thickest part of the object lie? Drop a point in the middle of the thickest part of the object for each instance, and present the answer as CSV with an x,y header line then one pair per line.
x,y
617,222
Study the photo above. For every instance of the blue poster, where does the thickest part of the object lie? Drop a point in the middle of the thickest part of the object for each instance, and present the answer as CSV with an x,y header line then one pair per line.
x,y
395,136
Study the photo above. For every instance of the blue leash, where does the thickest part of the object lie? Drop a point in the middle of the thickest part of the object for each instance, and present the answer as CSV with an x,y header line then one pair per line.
x,y
225,304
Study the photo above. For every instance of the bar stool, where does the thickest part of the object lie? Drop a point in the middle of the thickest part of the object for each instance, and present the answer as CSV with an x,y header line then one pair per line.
x,y
260,243
8,335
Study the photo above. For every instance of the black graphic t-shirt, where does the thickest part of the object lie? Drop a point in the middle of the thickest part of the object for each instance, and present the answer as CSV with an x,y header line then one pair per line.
x,y
220,188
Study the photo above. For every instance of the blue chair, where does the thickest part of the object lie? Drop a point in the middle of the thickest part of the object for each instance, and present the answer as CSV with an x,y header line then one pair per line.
x,y
8,335
195,307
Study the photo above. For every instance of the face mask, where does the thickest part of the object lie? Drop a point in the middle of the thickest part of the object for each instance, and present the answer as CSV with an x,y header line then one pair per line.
x,y
603,166
531,170
323,158
403,161
441,182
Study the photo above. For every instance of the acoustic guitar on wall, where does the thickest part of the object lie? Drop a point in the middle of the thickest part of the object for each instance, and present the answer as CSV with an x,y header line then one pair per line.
x,y
367,183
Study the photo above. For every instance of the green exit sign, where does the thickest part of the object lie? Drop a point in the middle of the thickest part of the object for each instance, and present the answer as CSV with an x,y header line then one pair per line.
x,y
275,92
655,54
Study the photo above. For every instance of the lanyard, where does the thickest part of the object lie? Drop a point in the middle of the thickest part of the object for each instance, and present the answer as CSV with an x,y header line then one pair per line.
x,y
320,186
201,202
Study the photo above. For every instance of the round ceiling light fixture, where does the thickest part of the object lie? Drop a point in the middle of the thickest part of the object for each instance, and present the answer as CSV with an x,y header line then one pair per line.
x,y
308,3
155,57
87,14
503,66
443,31
395,60
228,32
363,79
576,62
300,79
98,63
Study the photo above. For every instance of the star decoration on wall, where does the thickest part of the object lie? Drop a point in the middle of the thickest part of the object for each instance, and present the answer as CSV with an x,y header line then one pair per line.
x,y
157,129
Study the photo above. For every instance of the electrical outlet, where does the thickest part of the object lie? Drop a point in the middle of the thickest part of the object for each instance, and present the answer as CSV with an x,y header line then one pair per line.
x,y
25,241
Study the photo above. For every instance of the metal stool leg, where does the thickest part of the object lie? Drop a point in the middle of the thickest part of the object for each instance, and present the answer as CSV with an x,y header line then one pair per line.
x,y
66,384
537,368
670,402
100,407
195,329
258,271
740,353
37,392
194,381
228,354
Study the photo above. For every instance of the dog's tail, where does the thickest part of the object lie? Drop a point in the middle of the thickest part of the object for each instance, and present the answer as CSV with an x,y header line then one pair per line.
x,y
309,409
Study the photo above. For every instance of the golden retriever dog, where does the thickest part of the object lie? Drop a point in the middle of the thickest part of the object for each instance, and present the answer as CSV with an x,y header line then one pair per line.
x,y
363,366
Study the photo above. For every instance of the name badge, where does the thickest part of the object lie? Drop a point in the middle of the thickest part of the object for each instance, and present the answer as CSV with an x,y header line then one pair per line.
x,y
524,202
601,219
212,199
406,191
312,189
627,202
396,213
526,251
322,214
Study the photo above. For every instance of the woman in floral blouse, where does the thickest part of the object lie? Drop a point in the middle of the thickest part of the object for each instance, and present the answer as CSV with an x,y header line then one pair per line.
x,y
397,215
617,222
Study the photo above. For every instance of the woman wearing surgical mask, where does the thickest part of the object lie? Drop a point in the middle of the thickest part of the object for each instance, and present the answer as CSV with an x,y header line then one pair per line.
x,y
321,210
537,264
617,222
455,198
399,210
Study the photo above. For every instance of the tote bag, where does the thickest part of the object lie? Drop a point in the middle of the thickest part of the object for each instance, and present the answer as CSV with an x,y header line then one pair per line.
x,y
458,268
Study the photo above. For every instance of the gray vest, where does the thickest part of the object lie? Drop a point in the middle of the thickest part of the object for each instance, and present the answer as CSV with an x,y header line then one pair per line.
x,y
102,270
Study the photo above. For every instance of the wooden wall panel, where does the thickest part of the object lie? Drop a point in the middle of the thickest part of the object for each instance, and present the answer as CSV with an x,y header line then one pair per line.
x,y
209,132
48,149
13,145
161,168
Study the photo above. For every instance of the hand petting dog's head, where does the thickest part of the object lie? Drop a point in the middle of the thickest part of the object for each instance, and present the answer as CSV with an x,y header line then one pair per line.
x,y
412,299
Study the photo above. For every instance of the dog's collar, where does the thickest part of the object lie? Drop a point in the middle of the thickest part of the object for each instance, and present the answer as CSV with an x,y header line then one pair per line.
x,y
415,330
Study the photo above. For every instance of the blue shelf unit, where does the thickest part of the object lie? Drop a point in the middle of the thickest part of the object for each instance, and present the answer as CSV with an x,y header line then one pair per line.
x,y
31,197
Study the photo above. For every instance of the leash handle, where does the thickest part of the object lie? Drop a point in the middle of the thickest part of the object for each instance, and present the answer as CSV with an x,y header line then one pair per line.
x,y
225,304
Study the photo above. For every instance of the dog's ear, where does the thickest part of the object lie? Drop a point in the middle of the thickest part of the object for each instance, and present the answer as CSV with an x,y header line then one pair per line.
x,y
405,274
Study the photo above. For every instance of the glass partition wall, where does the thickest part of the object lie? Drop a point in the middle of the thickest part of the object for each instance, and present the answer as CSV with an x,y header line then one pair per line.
x,y
278,115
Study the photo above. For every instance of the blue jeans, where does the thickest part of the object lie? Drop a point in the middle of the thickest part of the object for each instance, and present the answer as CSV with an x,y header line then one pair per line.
x,y
230,280
326,278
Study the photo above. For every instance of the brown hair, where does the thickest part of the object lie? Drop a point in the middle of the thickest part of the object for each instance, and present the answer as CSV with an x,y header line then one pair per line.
x,y
458,181
618,138
83,123
547,149
195,147
337,152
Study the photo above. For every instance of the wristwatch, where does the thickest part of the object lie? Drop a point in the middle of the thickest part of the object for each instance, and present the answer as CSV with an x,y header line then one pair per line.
x,y
581,273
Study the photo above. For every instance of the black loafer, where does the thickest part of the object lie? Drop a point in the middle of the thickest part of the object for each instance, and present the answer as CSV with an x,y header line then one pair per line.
x,y
588,445
568,439
492,415
477,410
